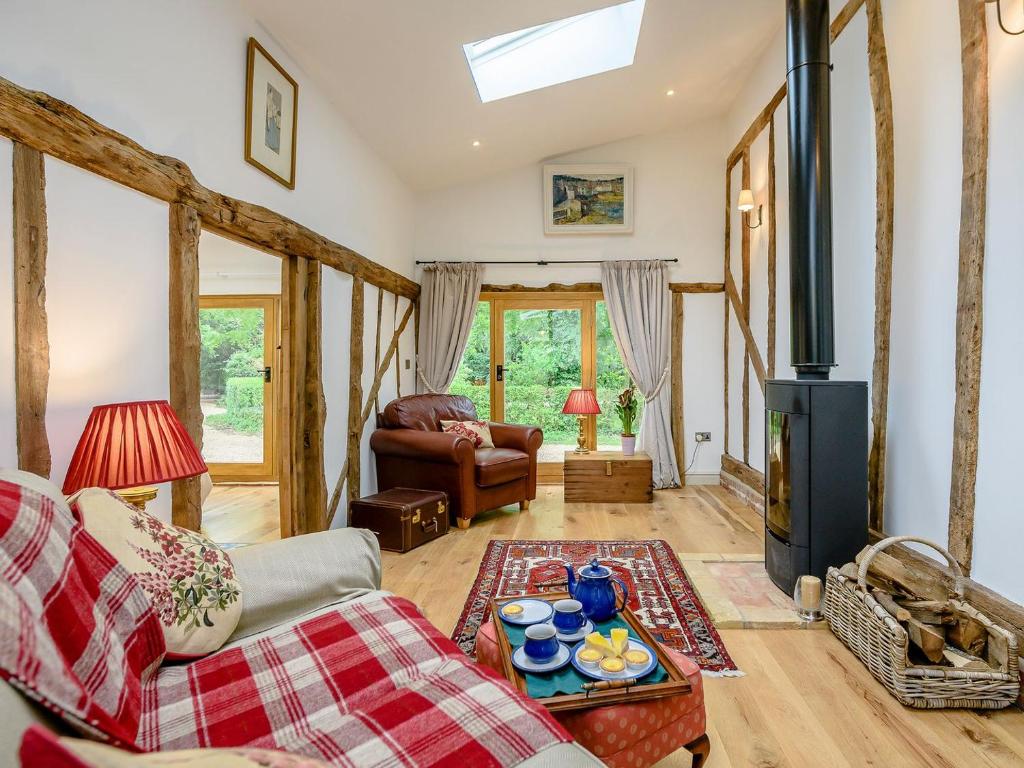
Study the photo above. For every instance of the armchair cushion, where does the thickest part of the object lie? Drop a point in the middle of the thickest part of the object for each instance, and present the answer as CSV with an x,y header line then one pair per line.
x,y
425,412
438,447
286,579
495,466
477,431
517,436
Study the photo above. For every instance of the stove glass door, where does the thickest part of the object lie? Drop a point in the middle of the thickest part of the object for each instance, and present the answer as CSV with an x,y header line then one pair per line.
x,y
779,513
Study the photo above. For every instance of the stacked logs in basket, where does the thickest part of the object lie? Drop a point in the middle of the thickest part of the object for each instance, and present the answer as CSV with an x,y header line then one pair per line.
x,y
940,632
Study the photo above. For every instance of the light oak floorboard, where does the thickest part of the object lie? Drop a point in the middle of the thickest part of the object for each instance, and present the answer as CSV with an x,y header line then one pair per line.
x,y
242,514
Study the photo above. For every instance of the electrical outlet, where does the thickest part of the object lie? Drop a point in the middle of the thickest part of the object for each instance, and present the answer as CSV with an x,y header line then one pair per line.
x,y
702,437
407,366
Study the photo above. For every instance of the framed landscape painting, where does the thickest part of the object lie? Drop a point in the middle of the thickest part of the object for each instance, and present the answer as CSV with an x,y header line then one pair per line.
x,y
588,199
271,112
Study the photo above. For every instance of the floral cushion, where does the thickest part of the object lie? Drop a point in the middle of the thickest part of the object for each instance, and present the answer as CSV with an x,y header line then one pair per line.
x,y
189,579
40,747
477,431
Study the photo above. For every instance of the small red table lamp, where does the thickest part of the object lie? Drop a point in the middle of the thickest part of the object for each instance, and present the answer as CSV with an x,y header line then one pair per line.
x,y
581,403
128,445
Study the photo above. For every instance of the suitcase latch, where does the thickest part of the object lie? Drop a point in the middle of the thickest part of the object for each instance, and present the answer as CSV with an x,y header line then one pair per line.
x,y
416,516
440,508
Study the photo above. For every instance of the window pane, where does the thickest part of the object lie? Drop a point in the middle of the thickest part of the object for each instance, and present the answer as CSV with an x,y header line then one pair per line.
x,y
612,378
231,383
473,379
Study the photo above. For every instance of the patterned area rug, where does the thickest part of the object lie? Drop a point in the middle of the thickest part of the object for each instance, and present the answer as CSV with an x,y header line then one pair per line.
x,y
659,592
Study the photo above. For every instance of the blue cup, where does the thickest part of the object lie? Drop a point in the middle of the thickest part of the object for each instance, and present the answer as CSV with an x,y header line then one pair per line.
x,y
541,643
569,617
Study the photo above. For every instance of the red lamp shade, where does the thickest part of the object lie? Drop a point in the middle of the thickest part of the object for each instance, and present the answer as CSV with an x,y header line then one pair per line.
x,y
128,444
581,402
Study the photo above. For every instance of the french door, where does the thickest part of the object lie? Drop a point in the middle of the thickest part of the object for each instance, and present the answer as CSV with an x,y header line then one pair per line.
x,y
238,368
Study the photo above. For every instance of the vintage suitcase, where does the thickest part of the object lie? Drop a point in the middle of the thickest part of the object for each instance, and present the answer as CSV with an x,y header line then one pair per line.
x,y
403,518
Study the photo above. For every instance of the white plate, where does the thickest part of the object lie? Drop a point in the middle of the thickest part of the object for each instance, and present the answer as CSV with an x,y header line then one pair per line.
x,y
599,674
534,611
524,663
585,630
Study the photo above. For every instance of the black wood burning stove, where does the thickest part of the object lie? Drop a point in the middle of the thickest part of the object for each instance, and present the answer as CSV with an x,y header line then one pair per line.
x,y
816,509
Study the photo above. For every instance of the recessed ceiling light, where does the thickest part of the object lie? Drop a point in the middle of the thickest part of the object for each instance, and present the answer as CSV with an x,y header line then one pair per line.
x,y
670,92
476,143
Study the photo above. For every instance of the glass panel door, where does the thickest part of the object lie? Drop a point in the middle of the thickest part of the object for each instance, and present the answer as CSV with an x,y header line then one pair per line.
x,y
237,366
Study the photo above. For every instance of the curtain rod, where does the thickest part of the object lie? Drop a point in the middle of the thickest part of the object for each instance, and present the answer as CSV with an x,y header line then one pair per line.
x,y
541,262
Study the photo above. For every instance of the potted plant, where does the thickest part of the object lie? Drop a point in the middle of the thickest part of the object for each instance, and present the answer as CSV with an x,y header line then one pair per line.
x,y
626,407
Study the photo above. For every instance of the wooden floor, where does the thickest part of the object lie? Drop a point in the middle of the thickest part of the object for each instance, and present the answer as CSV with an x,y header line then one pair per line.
x,y
805,700
242,514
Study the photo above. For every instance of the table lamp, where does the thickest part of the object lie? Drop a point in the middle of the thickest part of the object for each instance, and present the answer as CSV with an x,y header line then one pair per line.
x,y
128,447
581,403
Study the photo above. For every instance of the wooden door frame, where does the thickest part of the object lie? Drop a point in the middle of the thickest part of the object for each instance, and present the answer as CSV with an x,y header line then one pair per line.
x,y
268,471
586,303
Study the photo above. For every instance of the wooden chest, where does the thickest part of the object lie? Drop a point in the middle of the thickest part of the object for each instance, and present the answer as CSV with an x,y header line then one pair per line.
x,y
608,476
402,518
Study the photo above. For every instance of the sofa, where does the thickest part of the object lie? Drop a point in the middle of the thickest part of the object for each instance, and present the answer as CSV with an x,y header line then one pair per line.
x,y
412,452
322,663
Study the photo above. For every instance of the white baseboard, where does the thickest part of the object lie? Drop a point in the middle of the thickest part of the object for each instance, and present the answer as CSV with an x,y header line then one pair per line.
x,y
702,478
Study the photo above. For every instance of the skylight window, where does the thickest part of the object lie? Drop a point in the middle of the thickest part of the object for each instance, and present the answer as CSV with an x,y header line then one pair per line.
x,y
556,52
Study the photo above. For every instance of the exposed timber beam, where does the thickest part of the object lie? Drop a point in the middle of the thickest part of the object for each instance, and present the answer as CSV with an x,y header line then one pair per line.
x,y
751,346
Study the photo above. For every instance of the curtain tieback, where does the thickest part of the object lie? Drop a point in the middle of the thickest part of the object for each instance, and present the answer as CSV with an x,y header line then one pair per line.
x,y
658,386
419,372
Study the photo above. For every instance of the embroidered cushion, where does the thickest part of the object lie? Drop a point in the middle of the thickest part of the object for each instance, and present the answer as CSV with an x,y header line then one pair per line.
x,y
40,747
477,431
189,579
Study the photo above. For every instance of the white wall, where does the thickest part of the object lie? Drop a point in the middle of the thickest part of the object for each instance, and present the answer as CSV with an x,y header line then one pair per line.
x,y
8,420
172,77
229,268
679,190
924,60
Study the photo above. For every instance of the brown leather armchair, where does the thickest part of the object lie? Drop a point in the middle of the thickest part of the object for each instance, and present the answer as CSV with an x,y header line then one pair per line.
x,y
412,452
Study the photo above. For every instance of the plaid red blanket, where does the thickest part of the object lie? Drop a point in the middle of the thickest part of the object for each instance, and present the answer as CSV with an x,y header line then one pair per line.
x,y
371,683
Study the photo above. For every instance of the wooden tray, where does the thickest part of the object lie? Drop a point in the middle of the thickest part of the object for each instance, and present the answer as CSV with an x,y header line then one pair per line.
x,y
676,685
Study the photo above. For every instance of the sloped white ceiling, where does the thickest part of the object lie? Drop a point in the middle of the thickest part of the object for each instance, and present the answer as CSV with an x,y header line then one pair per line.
x,y
396,70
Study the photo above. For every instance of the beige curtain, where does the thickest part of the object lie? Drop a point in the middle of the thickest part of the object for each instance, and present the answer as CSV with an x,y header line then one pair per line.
x,y
448,299
639,311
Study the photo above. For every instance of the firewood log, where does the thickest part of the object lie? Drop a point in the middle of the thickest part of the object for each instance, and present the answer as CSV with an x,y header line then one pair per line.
x,y
929,611
968,635
904,578
961,660
930,639
886,601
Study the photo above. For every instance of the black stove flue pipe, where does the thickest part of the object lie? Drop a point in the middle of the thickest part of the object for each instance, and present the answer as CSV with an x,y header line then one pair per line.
x,y
810,188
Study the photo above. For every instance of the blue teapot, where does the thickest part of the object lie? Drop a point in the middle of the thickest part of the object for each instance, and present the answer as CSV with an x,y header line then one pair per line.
x,y
594,589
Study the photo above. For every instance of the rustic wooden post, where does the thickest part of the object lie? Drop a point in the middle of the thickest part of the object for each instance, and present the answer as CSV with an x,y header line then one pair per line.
x,y
881,98
745,288
678,423
184,347
31,340
295,317
355,389
314,512
974,53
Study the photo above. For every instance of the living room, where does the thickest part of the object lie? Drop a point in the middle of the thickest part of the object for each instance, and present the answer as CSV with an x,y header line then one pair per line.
x,y
471,413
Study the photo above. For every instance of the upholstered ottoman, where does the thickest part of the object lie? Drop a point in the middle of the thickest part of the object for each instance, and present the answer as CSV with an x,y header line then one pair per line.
x,y
634,735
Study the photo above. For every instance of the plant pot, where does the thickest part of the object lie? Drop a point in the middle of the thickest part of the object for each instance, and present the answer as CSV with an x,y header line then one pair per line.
x,y
628,445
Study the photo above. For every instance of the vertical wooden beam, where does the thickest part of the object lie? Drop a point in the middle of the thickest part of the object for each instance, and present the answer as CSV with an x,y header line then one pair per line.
x,y
881,98
678,423
376,346
295,289
286,408
355,389
398,354
974,53
31,340
314,486
772,249
183,351
725,306
745,288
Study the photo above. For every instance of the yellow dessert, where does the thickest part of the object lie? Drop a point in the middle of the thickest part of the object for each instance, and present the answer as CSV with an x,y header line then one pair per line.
x,y
597,642
620,640
613,665
512,609
636,657
589,657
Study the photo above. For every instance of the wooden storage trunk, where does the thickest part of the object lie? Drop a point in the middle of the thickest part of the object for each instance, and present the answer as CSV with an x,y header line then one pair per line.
x,y
608,476
402,518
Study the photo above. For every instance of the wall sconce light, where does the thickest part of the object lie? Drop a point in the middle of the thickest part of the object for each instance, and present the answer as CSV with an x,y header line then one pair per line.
x,y
999,16
746,205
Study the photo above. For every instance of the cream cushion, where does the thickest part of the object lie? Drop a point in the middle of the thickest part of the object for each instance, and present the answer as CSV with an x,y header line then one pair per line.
x,y
477,431
190,580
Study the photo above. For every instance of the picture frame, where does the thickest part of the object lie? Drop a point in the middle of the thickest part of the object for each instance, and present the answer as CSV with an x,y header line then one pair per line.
x,y
271,115
588,199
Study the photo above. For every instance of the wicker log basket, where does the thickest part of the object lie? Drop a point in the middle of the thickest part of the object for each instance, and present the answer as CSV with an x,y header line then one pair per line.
x,y
881,643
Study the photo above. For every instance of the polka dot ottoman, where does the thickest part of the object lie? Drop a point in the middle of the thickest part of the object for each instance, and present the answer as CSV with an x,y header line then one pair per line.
x,y
630,735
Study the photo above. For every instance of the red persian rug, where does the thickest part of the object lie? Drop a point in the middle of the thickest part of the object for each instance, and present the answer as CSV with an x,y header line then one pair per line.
x,y
659,593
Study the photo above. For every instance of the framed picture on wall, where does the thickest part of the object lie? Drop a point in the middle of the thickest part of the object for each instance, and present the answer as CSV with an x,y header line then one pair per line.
x,y
271,114
588,199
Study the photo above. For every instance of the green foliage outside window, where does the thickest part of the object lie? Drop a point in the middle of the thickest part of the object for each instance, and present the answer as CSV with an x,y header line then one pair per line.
x,y
243,403
232,346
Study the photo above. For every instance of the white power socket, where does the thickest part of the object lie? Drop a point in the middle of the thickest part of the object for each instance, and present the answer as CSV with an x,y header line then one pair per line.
x,y
702,437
